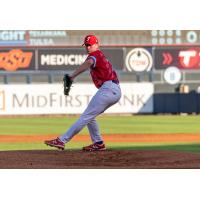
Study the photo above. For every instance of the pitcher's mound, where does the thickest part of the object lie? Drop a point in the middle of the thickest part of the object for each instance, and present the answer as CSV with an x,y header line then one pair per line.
x,y
126,159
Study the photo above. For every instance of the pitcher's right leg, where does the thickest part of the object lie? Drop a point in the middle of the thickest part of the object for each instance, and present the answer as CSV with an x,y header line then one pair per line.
x,y
94,131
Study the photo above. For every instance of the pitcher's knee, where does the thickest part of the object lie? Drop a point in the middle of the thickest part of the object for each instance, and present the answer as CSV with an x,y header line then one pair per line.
x,y
85,119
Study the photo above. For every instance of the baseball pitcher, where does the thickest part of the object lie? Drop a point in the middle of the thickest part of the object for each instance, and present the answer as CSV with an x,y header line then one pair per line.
x,y
109,93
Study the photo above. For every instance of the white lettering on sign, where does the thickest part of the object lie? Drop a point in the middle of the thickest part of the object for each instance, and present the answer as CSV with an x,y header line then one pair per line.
x,y
43,41
12,35
40,34
62,59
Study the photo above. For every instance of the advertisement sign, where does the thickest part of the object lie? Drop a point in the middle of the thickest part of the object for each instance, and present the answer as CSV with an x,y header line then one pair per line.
x,y
60,58
49,99
182,57
13,38
46,37
139,60
17,59
71,58
14,59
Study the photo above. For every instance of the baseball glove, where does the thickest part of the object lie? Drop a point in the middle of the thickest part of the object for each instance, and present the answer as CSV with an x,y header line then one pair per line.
x,y
67,82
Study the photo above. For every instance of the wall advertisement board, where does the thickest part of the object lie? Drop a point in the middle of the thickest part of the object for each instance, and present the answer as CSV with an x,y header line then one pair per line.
x,y
185,58
17,59
49,99
71,58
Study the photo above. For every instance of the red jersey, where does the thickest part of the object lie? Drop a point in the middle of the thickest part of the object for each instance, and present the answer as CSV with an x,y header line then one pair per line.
x,y
101,70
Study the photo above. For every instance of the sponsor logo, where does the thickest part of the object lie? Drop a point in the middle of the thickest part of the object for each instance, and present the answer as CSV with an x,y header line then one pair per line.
x,y
189,58
46,99
172,75
15,59
139,59
62,59
52,99
183,58
2,100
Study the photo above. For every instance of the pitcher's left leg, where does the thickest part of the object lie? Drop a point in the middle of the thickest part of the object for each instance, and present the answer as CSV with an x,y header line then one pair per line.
x,y
94,108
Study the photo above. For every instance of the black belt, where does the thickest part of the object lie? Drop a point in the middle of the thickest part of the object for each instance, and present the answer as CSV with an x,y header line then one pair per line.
x,y
115,81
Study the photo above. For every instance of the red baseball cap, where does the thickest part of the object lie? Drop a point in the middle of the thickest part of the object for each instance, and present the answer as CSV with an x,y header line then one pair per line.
x,y
90,39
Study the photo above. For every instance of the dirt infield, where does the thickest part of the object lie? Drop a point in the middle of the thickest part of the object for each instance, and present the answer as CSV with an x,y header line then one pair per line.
x,y
110,159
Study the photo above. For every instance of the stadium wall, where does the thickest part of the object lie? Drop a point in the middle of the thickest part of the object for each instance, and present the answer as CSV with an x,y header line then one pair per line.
x,y
172,69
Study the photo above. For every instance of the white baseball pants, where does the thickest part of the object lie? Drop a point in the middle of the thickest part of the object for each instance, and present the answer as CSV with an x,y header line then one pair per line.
x,y
107,95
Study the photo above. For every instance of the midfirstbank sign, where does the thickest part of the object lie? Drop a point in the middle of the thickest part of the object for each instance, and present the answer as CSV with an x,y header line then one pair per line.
x,y
49,99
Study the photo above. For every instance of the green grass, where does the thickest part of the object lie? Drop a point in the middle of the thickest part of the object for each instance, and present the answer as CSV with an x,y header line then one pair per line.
x,y
195,147
108,124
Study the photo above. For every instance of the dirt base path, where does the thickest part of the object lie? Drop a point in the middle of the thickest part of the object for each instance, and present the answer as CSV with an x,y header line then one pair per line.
x,y
180,137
